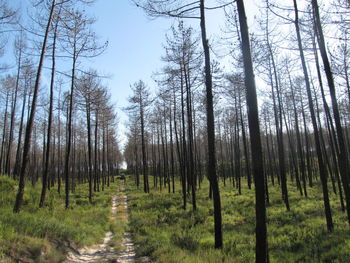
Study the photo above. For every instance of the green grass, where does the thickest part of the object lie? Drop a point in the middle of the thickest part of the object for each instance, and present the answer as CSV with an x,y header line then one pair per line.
x,y
43,235
165,232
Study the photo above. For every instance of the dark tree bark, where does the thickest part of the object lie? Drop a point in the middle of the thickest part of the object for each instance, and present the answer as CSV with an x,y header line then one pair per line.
x,y
96,168
59,159
211,132
299,145
261,252
245,145
20,131
88,121
69,135
172,160
2,157
343,155
279,126
322,168
143,146
49,128
27,140
13,112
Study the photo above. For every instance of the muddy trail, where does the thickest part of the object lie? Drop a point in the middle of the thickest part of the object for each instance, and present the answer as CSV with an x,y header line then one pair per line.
x,y
104,252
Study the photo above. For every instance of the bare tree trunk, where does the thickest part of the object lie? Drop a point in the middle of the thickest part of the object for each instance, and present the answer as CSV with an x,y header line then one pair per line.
x,y
279,130
144,157
27,140
323,172
96,182
20,131
88,122
59,162
191,178
172,150
179,157
13,112
211,133
69,135
4,133
343,155
261,252
299,145
49,128
245,146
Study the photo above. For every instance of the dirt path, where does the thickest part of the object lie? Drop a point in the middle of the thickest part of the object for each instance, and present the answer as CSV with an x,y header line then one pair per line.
x,y
103,252
97,253
127,254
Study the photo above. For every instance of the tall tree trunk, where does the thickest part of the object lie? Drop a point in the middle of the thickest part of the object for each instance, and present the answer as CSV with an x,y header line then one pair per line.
x,y
179,157
96,172
59,159
49,128
191,178
144,157
211,132
299,145
69,132
279,128
88,122
261,252
27,140
13,112
20,131
343,155
322,168
4,133
172,161
245,145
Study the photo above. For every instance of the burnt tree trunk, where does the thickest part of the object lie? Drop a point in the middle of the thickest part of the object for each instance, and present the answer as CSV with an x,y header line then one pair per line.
x,y
28,134
261,252
211,133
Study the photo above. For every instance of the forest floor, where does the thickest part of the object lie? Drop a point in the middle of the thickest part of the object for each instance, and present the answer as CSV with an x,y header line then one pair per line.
x,y
154,227
50,233
165,232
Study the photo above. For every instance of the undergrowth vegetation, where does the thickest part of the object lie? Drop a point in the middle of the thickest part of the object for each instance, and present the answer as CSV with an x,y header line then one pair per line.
x,y
46,234
167,233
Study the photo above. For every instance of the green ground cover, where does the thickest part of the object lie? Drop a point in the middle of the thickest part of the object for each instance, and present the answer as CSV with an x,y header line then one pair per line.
x,y
166,233
45,235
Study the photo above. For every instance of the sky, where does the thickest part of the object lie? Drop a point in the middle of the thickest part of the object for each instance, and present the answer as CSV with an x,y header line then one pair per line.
x,y
134,49
135,46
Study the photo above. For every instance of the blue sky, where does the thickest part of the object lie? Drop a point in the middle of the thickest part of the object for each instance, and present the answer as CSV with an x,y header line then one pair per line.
x,y
135,45
134,51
